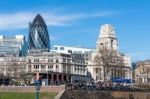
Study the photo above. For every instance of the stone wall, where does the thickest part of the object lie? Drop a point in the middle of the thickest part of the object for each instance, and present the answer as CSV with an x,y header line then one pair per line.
x,y
31,89
104,95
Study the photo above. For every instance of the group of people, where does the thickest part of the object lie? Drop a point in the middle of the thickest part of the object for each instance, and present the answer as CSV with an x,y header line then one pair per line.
x,y
97,86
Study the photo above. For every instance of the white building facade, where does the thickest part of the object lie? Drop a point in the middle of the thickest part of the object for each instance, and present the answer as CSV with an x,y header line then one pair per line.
x,y
70,49
11,67
142,72
56,67
107,38
85,52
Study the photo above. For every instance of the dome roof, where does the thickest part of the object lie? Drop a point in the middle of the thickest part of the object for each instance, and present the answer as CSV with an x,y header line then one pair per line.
x,y
107,30
38,20
38,34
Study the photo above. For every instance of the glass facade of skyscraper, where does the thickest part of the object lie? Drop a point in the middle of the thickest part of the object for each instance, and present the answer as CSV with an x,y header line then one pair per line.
x,y
38,35
12,45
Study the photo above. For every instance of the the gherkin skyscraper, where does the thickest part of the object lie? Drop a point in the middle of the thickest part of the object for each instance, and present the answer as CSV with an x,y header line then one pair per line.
x,y
38,35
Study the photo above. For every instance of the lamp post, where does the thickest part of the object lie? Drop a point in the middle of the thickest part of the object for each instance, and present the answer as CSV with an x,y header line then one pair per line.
x,y
37,88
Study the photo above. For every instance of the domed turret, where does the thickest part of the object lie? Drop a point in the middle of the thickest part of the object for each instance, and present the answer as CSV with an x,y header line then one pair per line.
x,y
107,30
107,37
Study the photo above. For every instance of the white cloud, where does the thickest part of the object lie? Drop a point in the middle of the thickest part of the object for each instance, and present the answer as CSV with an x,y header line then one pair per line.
x,y
52,38
15,21
20,20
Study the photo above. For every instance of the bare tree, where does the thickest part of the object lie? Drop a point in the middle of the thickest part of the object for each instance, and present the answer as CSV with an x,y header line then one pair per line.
x,y
107,58
15,69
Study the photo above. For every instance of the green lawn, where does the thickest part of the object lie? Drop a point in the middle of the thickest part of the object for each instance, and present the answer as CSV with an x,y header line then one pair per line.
x,y
26,95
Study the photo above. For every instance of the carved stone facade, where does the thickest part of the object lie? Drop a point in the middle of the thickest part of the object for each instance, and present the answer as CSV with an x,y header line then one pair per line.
x,y
119,68
56,67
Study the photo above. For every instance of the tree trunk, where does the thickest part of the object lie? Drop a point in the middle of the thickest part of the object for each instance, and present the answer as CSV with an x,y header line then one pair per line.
x,y
104,73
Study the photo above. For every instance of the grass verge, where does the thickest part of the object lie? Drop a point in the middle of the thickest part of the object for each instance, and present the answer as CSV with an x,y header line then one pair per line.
x,y
26,95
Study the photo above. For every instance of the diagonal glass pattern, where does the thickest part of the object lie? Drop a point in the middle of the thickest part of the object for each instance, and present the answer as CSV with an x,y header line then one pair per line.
x,y
38,34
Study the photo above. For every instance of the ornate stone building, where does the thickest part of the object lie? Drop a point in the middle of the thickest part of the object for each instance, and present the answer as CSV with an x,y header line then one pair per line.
x,y
55,67
118,64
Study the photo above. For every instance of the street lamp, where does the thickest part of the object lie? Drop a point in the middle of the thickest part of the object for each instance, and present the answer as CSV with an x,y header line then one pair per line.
x,y
37,88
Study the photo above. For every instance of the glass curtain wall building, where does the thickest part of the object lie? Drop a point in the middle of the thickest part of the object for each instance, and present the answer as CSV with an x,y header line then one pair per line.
x,y
12,46
38,35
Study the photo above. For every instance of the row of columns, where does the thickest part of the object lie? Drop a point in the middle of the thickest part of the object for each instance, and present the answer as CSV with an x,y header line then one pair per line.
x,y
119,73
112,73
58,77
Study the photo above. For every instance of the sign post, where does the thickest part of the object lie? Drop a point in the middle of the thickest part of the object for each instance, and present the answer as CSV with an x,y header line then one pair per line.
x,y
37,85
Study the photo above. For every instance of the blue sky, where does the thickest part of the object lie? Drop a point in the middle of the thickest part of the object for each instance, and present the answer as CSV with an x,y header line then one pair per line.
x,y
77,22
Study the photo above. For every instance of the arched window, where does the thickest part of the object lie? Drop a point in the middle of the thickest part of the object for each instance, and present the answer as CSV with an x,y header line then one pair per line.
x,y
57,60
112,43
29,60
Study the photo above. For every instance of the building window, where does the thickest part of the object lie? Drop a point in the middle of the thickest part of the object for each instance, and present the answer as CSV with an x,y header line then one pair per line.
x,y
64,68
29,66
29,60
83,71
61,48
69,51
64,60
86,59
56,48
57,60
50,66
42,66
50,60
68,60
112,43
36,66
57,66
36,60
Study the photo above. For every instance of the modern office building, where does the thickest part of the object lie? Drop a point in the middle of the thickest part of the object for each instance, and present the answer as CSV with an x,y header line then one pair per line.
x,y
71,49
38,35
85,52
119,65
13,46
